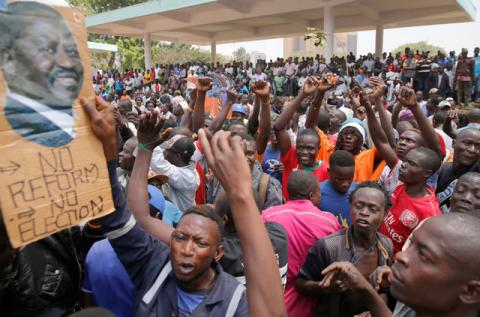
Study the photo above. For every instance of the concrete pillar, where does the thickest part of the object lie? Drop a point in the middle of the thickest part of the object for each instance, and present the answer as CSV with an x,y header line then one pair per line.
x,y
148,50
213,52
328,27
379,40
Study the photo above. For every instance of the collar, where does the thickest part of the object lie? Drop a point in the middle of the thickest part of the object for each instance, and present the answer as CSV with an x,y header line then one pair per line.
x,y
61,119
310,169
218,290
349,242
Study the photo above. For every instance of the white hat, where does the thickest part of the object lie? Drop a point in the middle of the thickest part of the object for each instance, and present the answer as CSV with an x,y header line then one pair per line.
x,y
444,104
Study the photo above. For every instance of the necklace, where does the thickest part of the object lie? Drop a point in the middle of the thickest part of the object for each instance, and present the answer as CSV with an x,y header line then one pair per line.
x,y
356,258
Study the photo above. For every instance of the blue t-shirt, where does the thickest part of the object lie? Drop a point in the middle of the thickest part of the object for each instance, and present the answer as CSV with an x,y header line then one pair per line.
x,y
335,202
270,160
171,214
118,85
187,302
477,66
107,280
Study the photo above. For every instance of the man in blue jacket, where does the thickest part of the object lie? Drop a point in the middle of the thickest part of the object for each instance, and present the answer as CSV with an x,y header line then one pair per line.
x,y
185,278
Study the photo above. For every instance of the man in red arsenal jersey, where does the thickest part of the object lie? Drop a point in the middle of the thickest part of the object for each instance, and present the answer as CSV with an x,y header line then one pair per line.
x,y
414,200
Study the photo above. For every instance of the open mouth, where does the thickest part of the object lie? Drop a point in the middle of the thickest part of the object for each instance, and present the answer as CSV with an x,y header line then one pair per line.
x,y
362,223
185,268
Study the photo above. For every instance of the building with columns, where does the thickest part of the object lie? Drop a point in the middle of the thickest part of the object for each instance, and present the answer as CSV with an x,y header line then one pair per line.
x,y
212,22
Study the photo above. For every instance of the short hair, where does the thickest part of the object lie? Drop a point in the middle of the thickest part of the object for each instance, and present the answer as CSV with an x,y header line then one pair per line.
x,y
18,14
323,120
149,101
342,158
430,159
474,116
222,206
300,184
125,103
309,132
247,137
372,185
206,211
165,99
439,117
169,123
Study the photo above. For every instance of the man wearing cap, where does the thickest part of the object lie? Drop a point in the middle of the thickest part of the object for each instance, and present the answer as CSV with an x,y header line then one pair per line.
x,y
239,113
464,77
173,159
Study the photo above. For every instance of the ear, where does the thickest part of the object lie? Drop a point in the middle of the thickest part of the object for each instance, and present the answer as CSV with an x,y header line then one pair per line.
x,y
470,294
428,173
219,252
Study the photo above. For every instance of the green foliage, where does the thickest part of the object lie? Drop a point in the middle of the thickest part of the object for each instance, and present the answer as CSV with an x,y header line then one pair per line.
x,y
420,46
319,38
99,6
241,55
131,49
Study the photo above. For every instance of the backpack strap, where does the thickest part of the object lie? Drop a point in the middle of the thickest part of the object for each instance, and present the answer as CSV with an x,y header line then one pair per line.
x,y
262,189
235,300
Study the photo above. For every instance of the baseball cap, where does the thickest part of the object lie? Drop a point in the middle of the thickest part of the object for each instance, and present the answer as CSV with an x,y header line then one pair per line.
x,y
443,104
181,145
433,91
449,99
238,108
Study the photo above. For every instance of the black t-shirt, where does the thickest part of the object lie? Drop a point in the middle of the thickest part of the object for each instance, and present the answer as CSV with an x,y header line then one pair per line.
x,y
232,262
335,248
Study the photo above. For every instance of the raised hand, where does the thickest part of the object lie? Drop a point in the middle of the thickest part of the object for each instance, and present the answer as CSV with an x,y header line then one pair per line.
x,y
407,97
310,86
452,115
261,88
232,95
379,87
149,126
103,124
323,85
204,84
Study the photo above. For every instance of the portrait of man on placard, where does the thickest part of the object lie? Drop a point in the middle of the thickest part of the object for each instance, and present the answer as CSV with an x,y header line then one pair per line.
x,y
41,66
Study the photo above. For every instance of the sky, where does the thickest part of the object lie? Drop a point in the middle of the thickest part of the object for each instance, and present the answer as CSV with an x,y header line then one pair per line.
x,y
448,36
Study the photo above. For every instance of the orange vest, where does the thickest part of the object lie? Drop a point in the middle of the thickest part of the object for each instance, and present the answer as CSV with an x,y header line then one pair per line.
x,y
326,147
364,166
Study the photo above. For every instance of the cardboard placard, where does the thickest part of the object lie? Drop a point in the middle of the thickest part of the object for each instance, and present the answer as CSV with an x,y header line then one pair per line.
x,y
53,173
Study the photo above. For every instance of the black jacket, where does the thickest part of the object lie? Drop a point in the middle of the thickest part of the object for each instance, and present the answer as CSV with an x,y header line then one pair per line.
x,y
43,277
444,88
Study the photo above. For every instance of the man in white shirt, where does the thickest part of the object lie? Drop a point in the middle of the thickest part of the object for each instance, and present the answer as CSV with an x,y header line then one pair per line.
x,y
42,83
173,159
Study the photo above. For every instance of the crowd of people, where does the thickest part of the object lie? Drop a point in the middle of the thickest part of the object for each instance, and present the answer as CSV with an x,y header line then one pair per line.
x,y
348,188
453,76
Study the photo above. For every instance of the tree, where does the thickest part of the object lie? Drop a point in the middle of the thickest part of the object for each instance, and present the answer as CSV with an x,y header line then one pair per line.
x,y
420,46
241,55
99,6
